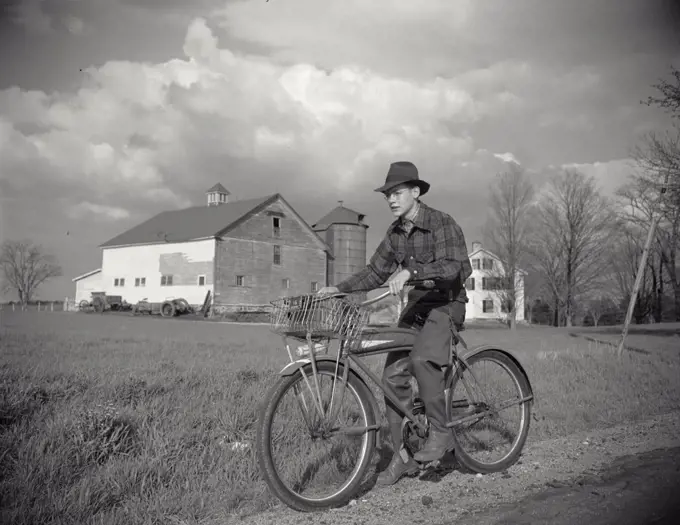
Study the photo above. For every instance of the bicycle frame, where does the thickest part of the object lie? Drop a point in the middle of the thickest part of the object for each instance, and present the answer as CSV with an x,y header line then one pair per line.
x,y
349,358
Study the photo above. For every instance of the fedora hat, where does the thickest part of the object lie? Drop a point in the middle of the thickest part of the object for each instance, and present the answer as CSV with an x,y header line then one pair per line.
x,y
403,172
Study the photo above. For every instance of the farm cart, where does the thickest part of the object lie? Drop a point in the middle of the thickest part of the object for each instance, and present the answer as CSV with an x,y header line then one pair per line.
x,y
168,308
101,303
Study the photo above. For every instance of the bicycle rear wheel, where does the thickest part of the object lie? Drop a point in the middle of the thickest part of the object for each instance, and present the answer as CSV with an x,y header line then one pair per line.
x,y
492,399
308,460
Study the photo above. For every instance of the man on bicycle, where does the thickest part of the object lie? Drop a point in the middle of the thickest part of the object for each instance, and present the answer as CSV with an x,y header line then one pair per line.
x,y
427,244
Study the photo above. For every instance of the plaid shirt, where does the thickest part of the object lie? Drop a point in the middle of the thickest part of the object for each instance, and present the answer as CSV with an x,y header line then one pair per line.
x,y
435,247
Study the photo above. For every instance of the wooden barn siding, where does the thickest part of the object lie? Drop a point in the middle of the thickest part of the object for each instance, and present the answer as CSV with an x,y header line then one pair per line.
x,y
249,251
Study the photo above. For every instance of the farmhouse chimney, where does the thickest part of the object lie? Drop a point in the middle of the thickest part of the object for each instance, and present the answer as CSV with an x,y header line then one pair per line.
x,y
217,195
476,245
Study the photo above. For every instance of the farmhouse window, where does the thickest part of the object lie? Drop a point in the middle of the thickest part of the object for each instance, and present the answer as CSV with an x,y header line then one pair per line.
x,y
487,306
240,280
140,281
285,283
276,222
315,287
277,254
487,264
470,284
475,264
119,281
166,280
201,280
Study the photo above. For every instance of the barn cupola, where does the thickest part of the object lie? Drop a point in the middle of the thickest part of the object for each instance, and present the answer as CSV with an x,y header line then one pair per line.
x,y
217,195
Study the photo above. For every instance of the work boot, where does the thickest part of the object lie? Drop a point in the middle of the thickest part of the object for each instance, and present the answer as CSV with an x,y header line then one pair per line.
x,y
438,443
396,470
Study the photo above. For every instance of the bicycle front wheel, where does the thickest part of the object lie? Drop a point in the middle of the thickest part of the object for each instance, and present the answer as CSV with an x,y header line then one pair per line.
x,y
316,437
490,401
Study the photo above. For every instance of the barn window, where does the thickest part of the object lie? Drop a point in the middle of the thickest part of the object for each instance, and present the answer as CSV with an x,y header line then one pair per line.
x,y
140,281
315,287
487,306
487,264
285,283
276,223
277,254
166,280
201,280
470,284
240,280
475,264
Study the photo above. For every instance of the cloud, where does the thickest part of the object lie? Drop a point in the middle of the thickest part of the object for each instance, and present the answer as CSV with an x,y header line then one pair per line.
x,y
97,211
506,157
609,175
31,15
75,25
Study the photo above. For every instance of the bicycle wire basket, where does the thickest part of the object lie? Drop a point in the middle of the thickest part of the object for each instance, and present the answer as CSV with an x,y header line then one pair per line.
x,y
318,316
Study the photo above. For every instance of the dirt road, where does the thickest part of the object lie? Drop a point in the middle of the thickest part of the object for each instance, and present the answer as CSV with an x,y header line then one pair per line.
x,y
634,490
629,475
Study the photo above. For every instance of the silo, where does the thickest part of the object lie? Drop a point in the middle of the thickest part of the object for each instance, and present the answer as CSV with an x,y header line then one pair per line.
x,y
345,232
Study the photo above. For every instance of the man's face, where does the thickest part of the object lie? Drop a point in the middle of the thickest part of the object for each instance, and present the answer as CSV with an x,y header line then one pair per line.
x,y
401,199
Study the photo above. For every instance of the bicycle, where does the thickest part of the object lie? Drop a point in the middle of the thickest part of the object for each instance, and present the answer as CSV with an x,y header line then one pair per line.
x,y
317,320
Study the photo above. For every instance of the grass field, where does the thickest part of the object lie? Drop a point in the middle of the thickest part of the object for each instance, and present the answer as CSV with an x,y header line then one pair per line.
x,y
120,419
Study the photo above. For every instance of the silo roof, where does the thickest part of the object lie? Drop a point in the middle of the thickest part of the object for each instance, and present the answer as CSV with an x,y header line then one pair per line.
x,y
340,215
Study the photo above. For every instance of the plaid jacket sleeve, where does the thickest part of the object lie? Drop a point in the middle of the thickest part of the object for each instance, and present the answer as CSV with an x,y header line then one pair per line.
x,y
450,253
375,273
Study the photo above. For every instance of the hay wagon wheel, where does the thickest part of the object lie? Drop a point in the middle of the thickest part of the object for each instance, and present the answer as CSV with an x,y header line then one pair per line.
x,y
99,305
168,309
183,305
142,307
84,305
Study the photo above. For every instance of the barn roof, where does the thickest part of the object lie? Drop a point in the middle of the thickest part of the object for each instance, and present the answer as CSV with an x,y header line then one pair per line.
x,y
198,222
340,215
92,272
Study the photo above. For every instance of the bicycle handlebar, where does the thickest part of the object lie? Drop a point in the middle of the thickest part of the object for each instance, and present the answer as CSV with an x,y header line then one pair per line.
x,y
418,284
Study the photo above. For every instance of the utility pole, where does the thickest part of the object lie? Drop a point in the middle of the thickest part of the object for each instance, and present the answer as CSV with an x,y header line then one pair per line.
x,y
641,266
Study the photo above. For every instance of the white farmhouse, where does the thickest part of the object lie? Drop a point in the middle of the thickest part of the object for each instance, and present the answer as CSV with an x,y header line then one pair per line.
x,y
485,301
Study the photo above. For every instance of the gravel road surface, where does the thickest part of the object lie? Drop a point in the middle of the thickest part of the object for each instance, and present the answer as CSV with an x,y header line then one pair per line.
x,y
628,474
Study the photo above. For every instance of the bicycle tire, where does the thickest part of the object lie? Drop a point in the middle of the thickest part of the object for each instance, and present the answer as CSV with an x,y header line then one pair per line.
x,y
266,462
521,381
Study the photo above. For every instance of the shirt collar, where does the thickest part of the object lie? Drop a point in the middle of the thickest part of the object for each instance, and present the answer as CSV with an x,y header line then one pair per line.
x,y
421,219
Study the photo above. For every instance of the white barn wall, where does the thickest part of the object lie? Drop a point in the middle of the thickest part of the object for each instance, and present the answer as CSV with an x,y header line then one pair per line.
x,y
87,285
184,261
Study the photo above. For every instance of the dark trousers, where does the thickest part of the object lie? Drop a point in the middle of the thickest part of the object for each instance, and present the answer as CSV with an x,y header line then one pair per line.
x,y
425,362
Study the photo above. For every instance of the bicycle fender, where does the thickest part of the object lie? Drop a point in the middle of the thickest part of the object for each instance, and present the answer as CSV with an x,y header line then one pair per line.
x,y
477,349
293,367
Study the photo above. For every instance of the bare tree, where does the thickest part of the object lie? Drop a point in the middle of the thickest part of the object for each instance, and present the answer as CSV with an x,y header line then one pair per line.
x,y
25,267
507,233
575,223
546,262
659,160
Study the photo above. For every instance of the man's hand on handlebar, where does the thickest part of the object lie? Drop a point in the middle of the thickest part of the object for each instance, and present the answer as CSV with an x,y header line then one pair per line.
x,y
328,290
397,283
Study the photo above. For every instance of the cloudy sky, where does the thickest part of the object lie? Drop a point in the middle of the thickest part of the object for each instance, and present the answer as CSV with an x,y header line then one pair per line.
x,y
114,110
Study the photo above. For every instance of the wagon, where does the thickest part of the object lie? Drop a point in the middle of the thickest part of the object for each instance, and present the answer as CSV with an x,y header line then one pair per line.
x,y
168,308
101,303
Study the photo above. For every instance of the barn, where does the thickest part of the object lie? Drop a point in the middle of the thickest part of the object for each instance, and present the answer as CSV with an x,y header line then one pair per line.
x,y
244,252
